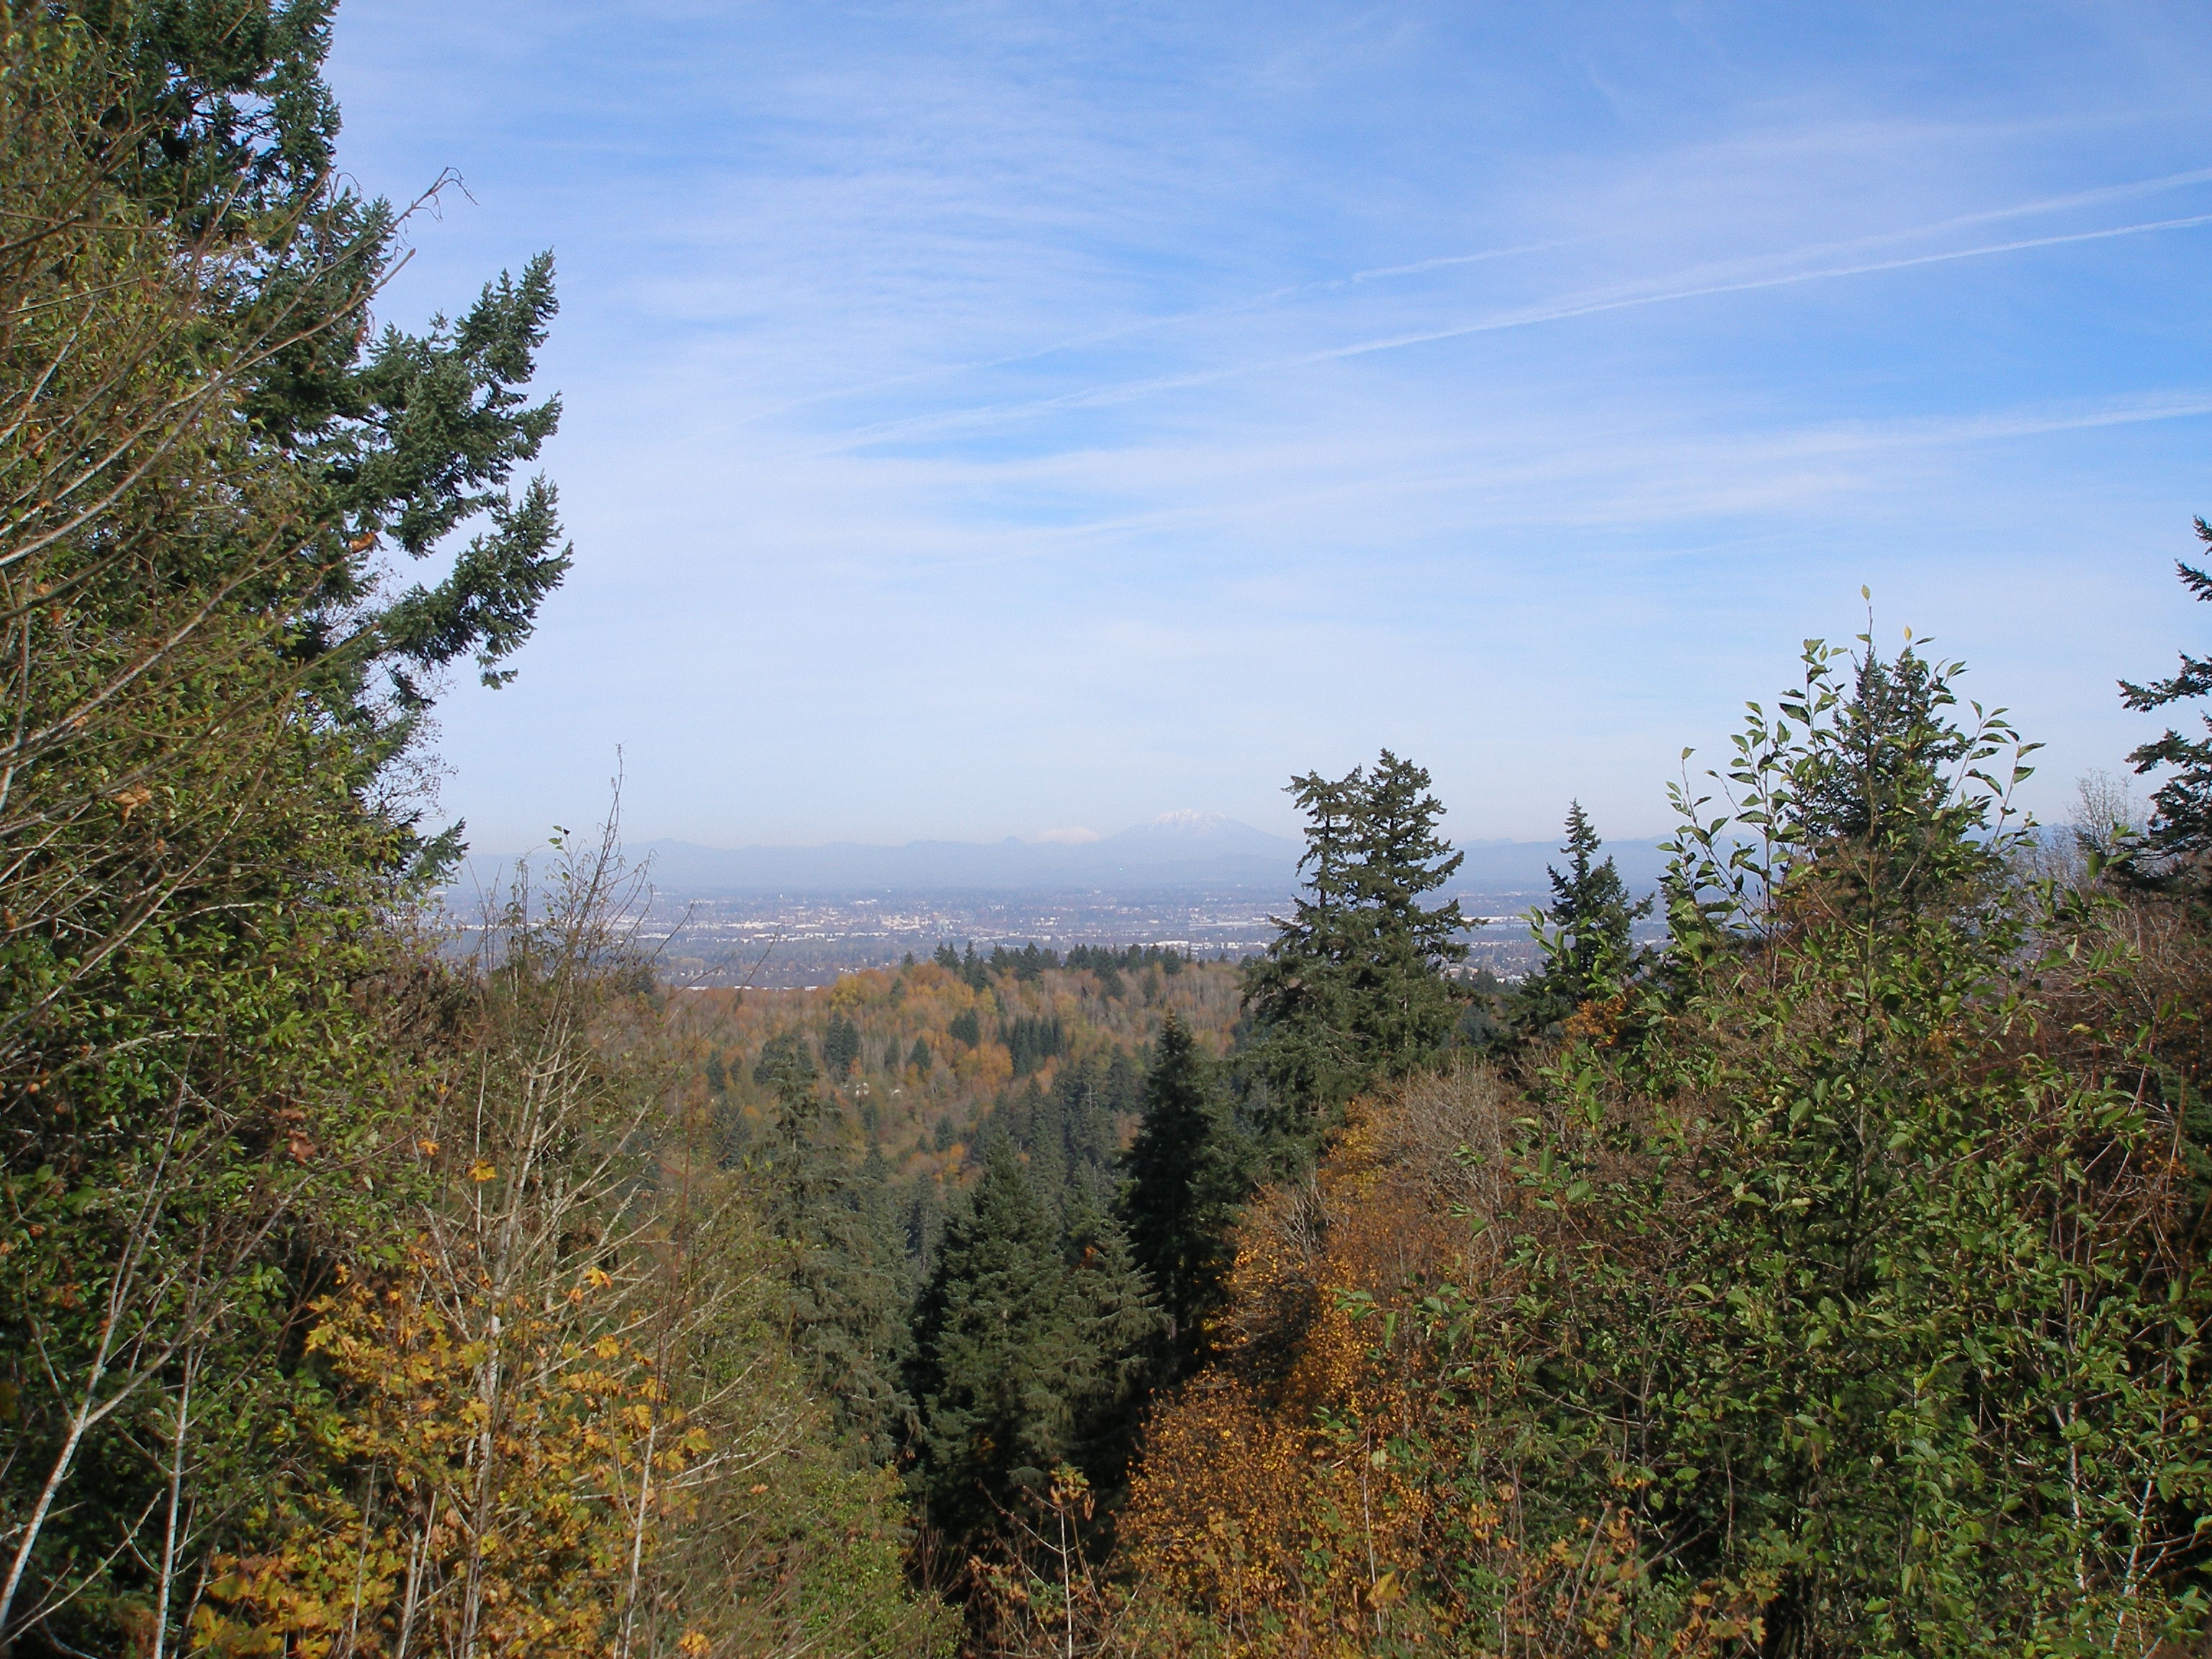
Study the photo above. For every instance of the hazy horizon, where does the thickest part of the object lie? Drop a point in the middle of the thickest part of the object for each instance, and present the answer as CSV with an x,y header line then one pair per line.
x,y
1071,836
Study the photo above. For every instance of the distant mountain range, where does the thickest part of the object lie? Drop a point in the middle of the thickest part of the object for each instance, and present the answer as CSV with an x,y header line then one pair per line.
x,y
1523,866
1175,850
1178,849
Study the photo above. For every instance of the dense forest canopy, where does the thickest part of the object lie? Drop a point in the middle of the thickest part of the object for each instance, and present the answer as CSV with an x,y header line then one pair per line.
x,y
1827,1280
354,1300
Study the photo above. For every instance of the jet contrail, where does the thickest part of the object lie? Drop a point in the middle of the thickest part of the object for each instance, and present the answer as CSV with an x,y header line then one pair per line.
x,y
1561,313
1523,318
1418,267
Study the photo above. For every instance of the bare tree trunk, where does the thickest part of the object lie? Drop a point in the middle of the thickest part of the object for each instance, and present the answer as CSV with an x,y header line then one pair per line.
x,y
176,1495
418,1562
90,1409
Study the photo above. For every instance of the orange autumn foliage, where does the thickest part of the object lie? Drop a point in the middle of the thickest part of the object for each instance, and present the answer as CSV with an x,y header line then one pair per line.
x,y
1266,1494
892,1009
1320,1491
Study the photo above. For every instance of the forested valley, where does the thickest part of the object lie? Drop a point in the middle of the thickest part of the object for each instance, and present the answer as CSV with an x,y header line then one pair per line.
x,y
1828,1279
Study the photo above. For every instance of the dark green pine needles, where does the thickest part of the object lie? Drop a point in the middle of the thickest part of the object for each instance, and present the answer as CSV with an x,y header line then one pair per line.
x,y
1352,989
1188,1170
1030,1341
1585,932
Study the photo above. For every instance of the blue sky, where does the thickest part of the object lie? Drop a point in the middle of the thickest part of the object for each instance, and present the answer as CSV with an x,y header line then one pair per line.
x,y
985,419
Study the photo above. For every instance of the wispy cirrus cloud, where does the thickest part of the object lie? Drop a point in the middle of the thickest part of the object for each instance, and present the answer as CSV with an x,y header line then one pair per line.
x,y
1671,286
1675,288
1033,416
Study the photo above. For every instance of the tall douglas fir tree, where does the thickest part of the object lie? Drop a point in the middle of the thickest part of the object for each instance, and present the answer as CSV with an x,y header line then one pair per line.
x,y
1353,988
1030,1345
405,441
1187,1172
839,1258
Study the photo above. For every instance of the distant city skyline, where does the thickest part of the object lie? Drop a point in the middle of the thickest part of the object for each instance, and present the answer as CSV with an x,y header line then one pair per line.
x,y
781,916
993,419
1180,852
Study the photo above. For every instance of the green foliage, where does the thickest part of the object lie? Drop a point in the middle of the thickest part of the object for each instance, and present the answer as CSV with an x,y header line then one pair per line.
x,y
401,439
545,1394
786,1065
1353,988
841,1046
1187,1175
1852,1281
1487,1021
195,1076
230,1079
2181,829
1877,788
1070,1134
1032,961
1032,1040
842,1263
1843,1271
1030,1340
1585,933
1882,766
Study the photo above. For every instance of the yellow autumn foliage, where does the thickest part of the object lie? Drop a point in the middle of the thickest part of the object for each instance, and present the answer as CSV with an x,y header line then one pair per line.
x,y
513,1480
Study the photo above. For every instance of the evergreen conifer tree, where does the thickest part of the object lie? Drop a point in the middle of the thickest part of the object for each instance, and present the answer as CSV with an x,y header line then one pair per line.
x,y
2180,832
785,1063
408,438
1021,1354
989,1375
923,1221
842,1263
1122,1094
1121,1325
1047,1144
1187,1175
1084,1091
1353,988
1875,817
1890,745
1586,931
841,1046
